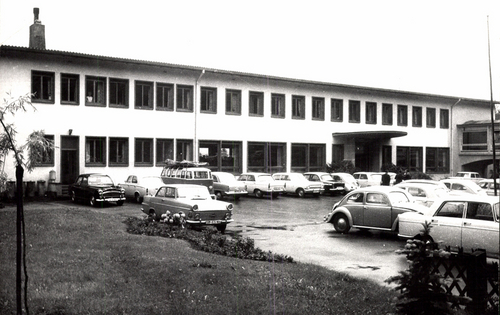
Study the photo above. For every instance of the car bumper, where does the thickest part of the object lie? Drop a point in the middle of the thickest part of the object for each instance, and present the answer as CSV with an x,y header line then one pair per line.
x,y
314,190
209,222
235,193
111,199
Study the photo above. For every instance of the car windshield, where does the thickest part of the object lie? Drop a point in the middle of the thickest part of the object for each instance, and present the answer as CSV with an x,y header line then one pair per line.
x,y
460,175
226,177
397,197
264,178
200,193
326,177
100,180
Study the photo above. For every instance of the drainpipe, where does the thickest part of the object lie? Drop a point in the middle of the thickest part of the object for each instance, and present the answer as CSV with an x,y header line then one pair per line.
x,y
452,154
195,104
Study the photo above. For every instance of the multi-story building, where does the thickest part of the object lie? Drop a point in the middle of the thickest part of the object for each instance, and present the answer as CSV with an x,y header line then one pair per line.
x,y
121,116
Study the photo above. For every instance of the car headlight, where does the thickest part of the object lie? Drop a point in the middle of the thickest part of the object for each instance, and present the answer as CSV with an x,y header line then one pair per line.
x,y
99,192
227,216
195,207
230,207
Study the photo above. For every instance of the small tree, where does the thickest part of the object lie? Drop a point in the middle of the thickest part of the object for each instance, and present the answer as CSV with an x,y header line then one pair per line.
x,y
36,146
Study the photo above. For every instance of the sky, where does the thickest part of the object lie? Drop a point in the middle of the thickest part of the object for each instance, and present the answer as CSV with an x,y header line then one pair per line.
x,y
435,47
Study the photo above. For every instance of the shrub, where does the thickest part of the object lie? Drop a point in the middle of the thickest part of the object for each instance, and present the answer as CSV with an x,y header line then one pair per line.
x,y
345,166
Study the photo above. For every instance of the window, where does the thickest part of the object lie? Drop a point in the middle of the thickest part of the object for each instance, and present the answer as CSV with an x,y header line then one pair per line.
x,y
143,152
409,158
318,108
386,154
473,140
164,96
184,150
452,209
70,87
430,117
47,156
298,107
371,113
95,151
233,102
185,98
221,155
377,198
278,105
402,115
266,157
308,157
479,211
256,104
337,108
118,151
208,102
95,91
144,95
42,87
416,116
337,153
444,119
437,160
354,111
164,150
387,114
118,92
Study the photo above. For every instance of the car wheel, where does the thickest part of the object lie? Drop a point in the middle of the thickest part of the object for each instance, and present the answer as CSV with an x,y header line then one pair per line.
x,y
341,223
92,201
73,196
218,195
221,228
120,202
301,192
152,215
138,198
259,193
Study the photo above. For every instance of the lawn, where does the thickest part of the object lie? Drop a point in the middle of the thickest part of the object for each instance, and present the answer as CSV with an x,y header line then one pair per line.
x,y
81,261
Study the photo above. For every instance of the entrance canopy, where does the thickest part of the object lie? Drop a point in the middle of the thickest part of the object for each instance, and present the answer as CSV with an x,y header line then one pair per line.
x,y
369,135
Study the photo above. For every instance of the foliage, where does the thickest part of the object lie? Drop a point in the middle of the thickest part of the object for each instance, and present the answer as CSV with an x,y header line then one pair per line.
x,y
416,174
420,286
208,240
345,166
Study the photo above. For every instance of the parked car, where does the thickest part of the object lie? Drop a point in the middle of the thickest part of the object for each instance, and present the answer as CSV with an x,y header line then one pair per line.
x,y
488,186
297,183
467,221
187,172
474,176
137,187
424,193
375,207
225,184
192,202
367,179
96,189
349,181
463,186
329,184
260,184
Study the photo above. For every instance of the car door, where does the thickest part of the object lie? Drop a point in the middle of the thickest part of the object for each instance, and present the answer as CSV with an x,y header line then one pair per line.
x,y
355,205
479,229
377,211
162,200
128,186
446,224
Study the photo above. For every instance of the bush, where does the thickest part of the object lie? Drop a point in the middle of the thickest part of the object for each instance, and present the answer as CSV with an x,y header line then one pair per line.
x,y
345,166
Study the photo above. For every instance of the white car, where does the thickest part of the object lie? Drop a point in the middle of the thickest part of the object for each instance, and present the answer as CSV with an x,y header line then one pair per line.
x,y
349,181
225,184
488,186
424,193
137,187
474,176
260,184
463,186
330,185
468,222
297,183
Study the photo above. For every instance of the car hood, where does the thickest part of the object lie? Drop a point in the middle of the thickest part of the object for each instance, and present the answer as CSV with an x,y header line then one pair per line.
x,y
209,204
105,187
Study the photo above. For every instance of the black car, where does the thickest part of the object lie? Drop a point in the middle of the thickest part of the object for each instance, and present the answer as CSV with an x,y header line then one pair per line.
x,y
96,189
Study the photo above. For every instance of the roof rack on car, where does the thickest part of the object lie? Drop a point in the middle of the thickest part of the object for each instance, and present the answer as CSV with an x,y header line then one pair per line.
x,y
183,163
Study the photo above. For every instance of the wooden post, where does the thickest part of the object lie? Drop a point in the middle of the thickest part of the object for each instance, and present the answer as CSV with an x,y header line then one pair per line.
x,y
477,282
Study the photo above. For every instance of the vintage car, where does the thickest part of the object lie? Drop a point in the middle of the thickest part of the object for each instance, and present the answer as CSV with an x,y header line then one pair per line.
x,y
297,183
423,193
473,176
187,172
330,186
193,202
374,207
225,184
96,189
137,187
467,221
489,187
349,181
367,179
260,184
463,186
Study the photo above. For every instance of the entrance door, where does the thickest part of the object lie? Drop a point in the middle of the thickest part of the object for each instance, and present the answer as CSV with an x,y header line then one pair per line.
x,y
69,159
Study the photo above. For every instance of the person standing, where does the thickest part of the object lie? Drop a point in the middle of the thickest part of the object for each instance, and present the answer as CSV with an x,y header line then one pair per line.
x,y
386,179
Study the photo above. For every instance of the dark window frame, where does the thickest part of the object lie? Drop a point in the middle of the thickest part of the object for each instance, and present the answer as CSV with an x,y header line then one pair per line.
x,y
434,162
43,87
70,89
118,93
144,95
164,96
430,117
403,115
48,158
143,154
97,86
371,113
298,107
444,118
184,98
354,111
208,100
164,150
116,146
387,114
94,145
337,109
318,108
278,105
256,103
233,102
416,114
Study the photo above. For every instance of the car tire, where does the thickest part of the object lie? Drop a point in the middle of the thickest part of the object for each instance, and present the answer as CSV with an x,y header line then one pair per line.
x,y
73,196
138,198
92,201
221,228
152,215
301,192
341,223
259,193
120,202
218,195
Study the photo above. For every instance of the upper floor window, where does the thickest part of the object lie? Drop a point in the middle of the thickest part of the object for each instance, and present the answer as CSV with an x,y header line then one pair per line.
x,y
298,107
233,102
164,96
185,98
430,117
118,92
444,120
318,108
208,102
278,105
95,151
42,87
387,114
402,115
256,104
70,88
416,116
337,110
371,112
144,94
95,91
143,152
354,111
475,140
118,151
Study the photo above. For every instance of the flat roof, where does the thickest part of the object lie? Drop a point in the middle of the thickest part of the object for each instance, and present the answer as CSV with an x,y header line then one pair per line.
x,y
368,135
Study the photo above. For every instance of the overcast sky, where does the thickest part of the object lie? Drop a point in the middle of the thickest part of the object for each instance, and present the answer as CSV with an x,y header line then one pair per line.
x,y
437,47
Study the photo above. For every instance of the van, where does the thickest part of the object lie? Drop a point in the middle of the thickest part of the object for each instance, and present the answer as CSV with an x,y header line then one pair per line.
x,y
187,172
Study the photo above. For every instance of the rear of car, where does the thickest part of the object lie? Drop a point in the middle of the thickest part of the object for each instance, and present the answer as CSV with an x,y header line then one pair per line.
x,y
296,183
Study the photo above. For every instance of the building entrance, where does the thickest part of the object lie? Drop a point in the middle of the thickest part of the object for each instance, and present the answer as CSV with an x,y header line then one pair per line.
x,y
69,159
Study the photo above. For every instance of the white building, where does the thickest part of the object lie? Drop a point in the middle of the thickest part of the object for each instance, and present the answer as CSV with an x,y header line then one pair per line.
x,y
121,116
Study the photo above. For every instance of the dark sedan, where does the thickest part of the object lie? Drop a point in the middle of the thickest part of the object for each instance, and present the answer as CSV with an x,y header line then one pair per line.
x,y
96,189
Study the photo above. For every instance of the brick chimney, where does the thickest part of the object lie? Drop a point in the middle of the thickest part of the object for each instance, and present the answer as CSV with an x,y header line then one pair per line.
x,y
37,32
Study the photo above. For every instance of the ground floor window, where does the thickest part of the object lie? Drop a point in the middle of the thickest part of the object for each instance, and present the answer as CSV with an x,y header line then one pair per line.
x,y
164,151
184,150
224,156
410,158
308,157
47,156
337,153
143,152
95,151
437,160
475,140
118,151
386,154
266,157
